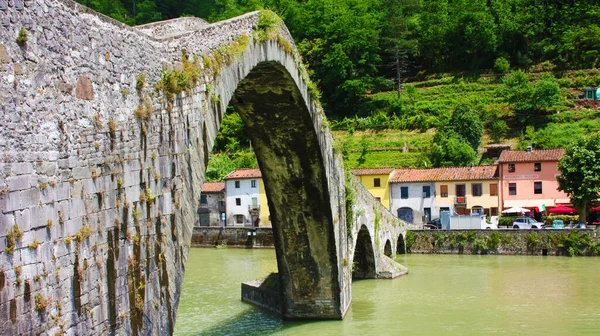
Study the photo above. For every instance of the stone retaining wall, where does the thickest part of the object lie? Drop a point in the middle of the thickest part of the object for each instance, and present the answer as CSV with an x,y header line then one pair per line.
x,y
504,242
232,237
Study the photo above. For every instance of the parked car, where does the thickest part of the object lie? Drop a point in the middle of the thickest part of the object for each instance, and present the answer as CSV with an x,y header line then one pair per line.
x,y
580,226
434,224
558,224
527,223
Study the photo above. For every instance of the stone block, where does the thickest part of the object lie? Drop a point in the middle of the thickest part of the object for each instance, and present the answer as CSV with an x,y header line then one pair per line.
x,y
85,89
48,195
10,202
21,168
63,191
81,173
76,208
18,182
89,186
46,168
6,221
23,219
30,197
132,194
131,178
40,215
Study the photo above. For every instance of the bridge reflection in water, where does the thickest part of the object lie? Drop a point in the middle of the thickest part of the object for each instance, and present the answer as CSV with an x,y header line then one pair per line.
x,y
445,294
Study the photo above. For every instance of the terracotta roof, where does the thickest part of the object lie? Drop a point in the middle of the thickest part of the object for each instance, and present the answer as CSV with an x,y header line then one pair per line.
x,y
535,155
445,174
244,173
213,187
372,171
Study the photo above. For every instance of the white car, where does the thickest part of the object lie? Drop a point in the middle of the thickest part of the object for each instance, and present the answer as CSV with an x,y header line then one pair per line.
x,y
527,223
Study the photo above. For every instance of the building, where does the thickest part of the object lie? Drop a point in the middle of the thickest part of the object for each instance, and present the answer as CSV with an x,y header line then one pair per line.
x,y
418,195
376,181
246,199
528,179
412,195
212,204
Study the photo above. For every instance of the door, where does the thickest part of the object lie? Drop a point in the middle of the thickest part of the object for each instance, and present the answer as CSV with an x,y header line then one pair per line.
x,y
426,215
405,214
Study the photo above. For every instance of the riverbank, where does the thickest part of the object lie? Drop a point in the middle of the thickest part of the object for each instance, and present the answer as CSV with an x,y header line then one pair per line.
x,y
500,242
504,242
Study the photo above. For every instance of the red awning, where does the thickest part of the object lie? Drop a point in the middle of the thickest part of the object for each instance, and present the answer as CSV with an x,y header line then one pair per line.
x,y
561,209
596,208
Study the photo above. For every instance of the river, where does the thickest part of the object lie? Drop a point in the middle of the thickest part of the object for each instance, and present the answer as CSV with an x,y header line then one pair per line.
x,y
442,294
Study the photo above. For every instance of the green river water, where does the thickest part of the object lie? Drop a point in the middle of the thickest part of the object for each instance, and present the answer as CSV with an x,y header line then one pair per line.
x,y
442,295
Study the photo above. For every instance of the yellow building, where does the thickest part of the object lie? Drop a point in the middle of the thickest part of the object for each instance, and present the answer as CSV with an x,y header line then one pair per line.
x,y
375,180
468,190
265,215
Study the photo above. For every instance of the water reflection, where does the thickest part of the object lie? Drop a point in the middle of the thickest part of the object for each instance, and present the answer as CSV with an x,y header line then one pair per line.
x,y
443,294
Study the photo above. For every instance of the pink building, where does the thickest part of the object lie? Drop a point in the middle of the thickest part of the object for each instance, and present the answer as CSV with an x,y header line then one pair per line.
x,y
528,179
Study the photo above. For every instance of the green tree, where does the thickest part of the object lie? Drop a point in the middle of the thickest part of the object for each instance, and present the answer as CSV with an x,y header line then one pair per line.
x,y
580,173
450,149
466,123
232,135
146,12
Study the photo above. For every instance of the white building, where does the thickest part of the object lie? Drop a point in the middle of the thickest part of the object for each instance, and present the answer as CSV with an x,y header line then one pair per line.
x,y
412,197
242,201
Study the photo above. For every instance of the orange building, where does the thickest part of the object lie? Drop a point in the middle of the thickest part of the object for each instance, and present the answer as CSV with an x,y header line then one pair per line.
x,y
528,179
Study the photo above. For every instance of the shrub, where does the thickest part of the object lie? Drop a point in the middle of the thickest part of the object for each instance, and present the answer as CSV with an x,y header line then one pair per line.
x,y
502,65
22,37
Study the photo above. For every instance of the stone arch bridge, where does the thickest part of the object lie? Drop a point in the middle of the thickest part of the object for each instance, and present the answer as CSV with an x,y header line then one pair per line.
x,y
105,133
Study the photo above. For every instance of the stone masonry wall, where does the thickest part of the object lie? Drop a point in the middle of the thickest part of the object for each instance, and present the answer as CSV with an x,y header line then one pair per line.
x,y
96,205
503,242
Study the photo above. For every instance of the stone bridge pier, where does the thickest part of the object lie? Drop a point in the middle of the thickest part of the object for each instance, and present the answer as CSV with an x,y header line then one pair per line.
x,y
105,136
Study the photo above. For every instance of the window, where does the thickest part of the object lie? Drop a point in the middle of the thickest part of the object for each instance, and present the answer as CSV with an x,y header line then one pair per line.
x,y
537,166
239,219
511,167
512,189
253,184
444,190
493,211
537,188
493,189
378,199
426,191
254,202
203,199
237,184
461,190
377,182
404,192
476,189
221,203
477,210
405,214
238,201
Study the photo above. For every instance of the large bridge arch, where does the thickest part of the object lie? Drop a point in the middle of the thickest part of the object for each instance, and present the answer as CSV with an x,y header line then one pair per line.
x,y
104,173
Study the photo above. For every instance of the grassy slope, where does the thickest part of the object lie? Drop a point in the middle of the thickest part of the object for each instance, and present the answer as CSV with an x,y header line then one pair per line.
x,y
433,99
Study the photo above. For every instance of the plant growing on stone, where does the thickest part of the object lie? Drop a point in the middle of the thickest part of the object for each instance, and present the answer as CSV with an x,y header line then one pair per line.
x,y
83,234
22,37
140,82
41,302
34,244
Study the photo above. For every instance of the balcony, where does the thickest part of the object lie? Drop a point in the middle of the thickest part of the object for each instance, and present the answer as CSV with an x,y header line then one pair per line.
x,y
460,200
254,209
